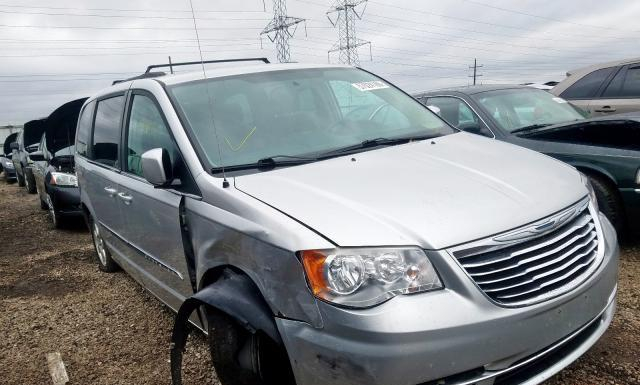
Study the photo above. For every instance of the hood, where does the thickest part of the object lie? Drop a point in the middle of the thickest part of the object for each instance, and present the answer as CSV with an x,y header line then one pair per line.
x,y
7,142
434,194
32,132
60,128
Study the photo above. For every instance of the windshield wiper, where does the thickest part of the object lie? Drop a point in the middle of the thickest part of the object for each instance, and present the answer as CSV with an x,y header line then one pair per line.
x,y
530,127
267,163
369,143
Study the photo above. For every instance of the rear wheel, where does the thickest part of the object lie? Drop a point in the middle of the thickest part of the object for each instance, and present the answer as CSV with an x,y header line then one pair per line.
x,y
609,202
243,358
105,262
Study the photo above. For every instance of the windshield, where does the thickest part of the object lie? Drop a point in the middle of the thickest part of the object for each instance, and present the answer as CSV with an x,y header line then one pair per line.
x,y
517,108
297,112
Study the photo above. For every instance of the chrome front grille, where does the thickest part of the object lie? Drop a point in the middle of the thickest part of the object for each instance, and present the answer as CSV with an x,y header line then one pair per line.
x,y
538,261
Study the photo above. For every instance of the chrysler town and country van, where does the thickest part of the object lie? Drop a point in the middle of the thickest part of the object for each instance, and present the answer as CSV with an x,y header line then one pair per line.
x,y
323,227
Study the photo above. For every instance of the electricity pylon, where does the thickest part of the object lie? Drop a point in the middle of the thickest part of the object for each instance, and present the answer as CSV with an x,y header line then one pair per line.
x,y
279,30
344,14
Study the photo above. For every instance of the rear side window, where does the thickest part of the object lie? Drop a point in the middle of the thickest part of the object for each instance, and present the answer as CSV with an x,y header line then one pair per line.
x,y
84,129
147,130
626,84
106,132
588,86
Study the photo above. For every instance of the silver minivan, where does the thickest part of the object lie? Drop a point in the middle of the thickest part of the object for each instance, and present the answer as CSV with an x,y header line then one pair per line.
x,y
323,227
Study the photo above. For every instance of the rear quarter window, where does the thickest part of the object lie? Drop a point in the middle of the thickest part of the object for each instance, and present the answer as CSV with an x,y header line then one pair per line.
x,y
84,129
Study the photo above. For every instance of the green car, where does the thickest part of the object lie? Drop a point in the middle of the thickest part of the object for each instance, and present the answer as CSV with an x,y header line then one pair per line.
x,y
606,149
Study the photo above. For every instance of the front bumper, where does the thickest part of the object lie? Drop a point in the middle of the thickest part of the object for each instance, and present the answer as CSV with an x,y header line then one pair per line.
x,y
66,200
10,173
455,335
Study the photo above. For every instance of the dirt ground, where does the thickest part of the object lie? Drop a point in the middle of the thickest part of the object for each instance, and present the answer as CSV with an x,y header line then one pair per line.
x,y
108,330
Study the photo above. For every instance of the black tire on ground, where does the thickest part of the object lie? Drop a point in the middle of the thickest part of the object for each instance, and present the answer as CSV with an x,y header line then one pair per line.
x,y
20,179
30,182
609,201
228,342
103,256
57,220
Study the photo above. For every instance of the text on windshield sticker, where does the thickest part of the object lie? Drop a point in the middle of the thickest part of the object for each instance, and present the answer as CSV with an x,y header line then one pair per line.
x,y
370,86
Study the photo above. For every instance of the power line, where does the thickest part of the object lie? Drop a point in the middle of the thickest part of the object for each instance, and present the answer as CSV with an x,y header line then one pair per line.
x,y
518,28
135,28
129,9
546,17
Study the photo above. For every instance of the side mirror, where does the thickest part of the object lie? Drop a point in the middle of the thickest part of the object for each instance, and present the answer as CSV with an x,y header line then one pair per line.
x,y
156,167
37,156
14,146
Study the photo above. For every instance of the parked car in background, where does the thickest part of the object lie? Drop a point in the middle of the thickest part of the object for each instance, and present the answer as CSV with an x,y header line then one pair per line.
x,y
606,149
53,166
603,89
27,142
325,227
6,163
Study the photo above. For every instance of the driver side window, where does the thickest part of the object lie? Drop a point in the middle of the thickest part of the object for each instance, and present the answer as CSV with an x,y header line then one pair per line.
x,y
147,130
458,113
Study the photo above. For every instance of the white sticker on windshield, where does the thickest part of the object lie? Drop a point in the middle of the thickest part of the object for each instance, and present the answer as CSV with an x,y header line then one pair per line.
x,y
560,100
370,86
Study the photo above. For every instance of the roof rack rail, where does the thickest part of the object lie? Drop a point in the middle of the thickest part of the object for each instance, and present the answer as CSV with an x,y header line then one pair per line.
x,y
262,59
145,75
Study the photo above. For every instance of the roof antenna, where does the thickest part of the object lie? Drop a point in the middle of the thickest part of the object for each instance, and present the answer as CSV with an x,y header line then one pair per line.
x,y
225,182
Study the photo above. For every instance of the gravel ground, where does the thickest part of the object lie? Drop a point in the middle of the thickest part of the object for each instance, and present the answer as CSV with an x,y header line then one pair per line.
x,y
108,330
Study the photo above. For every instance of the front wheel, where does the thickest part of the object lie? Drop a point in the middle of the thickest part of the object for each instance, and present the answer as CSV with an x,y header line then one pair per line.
x,y
30,183
20,179
609,202
56,219
243,358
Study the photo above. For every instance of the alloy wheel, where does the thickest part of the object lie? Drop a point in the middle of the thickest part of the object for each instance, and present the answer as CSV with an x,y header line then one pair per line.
x,y
52,210
99,244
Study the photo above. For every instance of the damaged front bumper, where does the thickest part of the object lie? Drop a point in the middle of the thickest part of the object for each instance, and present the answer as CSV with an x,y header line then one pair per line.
x,y
454,336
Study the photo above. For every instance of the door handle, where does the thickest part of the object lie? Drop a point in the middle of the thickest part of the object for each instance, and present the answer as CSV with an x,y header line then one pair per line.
x,y
125,198
606,109
111,191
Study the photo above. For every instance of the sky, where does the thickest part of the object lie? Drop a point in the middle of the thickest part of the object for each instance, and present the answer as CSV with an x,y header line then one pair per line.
x,y
54,52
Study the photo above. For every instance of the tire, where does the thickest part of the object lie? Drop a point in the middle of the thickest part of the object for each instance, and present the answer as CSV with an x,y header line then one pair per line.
x,y
609,202
30,183
230,344
56,219
20,179
103,256
44,205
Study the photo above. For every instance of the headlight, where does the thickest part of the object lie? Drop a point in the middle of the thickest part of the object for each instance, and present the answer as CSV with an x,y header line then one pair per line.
x,y
367,277
592,193
63,179
8,164
638,177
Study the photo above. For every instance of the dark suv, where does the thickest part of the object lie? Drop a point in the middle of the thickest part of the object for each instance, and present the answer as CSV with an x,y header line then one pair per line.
x,y
26,143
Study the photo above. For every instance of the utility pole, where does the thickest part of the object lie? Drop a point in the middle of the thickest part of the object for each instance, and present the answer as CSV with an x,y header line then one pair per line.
x,y
475,71
344,14
279,30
